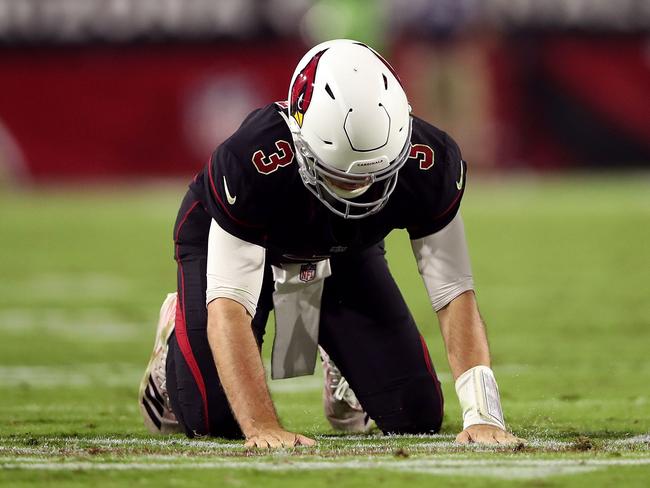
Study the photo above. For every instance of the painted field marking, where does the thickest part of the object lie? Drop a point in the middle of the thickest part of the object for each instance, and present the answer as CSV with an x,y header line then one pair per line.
x,y
504,469
92,374
354,445
85,324
64,285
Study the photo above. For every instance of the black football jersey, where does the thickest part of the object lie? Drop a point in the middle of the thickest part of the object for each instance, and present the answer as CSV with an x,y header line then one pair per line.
x,y
252,188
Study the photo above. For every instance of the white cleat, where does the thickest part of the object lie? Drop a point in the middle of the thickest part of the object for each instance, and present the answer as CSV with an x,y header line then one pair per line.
x,y
342,409
153,398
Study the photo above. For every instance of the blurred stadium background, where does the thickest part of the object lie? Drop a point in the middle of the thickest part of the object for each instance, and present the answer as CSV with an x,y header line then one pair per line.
x,y
147,88
108,107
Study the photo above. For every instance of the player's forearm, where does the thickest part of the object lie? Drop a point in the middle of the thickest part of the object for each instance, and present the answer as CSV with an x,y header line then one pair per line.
x,y
464,334
240,366
469,357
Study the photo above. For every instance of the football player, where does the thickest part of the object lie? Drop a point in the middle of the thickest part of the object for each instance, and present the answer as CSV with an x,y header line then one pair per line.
x,y
289,214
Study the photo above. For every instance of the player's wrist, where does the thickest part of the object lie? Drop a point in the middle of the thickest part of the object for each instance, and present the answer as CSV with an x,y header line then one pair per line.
x,y
478,394
255,427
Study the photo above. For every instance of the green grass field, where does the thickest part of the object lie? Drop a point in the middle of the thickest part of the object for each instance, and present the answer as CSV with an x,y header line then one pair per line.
x,y
561,266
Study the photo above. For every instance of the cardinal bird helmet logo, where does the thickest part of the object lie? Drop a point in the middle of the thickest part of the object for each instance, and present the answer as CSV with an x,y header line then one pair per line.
x,y
303,89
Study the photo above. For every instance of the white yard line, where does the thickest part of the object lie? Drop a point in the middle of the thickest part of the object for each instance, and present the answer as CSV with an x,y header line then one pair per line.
x,y
144,442
504,469
366,437
85,325
64,285
93,374
354,444
50,455
639,439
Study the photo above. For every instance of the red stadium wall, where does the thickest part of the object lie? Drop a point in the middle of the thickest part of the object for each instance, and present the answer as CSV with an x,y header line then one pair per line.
x,y
545,101
133,110
565,100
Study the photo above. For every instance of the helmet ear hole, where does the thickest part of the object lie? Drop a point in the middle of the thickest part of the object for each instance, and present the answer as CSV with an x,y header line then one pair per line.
x,y
385,81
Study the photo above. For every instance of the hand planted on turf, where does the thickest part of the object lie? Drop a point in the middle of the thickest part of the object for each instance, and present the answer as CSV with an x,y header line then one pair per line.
x,y
277,438
487,434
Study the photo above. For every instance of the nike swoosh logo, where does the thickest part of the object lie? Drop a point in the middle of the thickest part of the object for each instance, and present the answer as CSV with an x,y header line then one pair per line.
x,y
459,183
231,199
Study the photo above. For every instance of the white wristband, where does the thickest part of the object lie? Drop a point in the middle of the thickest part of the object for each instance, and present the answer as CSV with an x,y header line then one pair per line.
x,y
479,398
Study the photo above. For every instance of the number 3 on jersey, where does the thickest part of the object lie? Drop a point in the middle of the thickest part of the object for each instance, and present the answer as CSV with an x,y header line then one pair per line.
x,y
283,157
424,154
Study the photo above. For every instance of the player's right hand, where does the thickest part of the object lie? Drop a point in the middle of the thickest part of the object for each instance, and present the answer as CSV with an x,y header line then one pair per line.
x,y
277,438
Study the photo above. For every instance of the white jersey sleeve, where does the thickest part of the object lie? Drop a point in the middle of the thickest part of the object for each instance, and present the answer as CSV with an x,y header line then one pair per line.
x,y
235,269
443,263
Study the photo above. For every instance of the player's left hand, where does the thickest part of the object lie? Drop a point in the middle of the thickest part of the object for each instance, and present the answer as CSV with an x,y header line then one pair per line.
x,y
487,434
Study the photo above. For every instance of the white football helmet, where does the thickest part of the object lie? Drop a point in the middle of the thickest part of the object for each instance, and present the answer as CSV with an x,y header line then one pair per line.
x,y
351,126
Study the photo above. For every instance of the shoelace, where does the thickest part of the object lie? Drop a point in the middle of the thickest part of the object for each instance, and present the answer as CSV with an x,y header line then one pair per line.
x,y
159,369
160,375
341,387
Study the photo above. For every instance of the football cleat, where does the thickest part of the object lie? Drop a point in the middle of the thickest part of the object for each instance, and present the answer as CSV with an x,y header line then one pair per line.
x,y
153,398
342,408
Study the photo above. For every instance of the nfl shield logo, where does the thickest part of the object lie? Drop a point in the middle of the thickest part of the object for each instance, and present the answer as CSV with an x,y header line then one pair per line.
x,y
307,272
